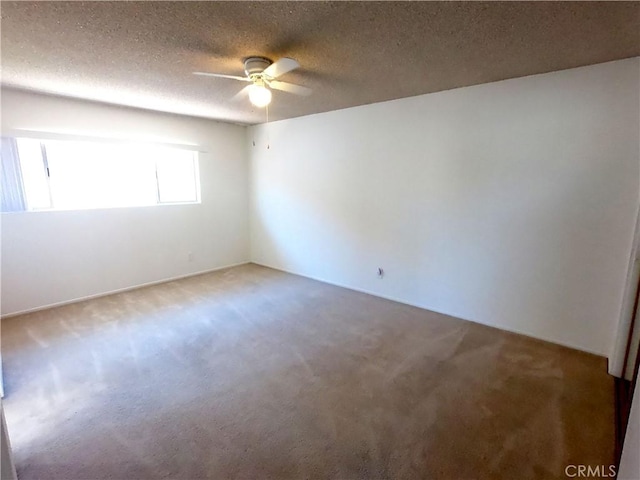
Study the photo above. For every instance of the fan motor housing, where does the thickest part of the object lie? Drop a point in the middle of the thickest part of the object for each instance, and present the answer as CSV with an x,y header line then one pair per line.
x,y
256,65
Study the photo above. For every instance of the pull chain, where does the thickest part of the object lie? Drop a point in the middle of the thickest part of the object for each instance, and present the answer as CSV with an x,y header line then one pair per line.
x,y
267,126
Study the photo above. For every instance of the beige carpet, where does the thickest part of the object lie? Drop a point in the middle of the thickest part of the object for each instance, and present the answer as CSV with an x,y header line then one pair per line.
x,y
250,373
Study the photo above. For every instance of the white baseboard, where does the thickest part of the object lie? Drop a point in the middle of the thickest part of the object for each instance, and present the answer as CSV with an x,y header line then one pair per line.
x,y
119,290
426,307
323,280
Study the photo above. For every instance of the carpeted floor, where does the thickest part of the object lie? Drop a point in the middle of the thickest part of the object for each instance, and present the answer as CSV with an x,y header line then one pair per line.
x,y
251,373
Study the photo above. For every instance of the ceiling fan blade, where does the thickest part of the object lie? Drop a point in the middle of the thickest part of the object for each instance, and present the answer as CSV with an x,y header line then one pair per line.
x,y
281,67
220,75
290,88
241,94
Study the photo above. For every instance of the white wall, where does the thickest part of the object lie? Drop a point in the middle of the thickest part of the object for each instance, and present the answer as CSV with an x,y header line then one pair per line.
x,y
510,204
7,467
627,338
52,257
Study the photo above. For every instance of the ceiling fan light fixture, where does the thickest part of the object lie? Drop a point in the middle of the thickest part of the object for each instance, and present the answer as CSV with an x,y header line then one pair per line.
x,y
260,95
261,74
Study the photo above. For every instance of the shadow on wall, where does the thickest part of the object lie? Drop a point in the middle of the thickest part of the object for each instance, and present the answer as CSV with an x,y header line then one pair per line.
x,y
454,249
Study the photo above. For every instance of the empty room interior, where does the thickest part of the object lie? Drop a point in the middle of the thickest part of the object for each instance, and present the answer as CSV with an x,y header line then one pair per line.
x,y
320,240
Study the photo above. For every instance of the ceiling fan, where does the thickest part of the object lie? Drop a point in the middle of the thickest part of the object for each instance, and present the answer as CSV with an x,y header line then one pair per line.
x,y
262,73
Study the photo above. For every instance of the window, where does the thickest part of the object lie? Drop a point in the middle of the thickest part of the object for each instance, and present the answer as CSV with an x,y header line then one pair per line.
x,y
69,175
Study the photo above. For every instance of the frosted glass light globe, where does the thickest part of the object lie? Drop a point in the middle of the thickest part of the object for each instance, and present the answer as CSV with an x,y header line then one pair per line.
x,y
260,95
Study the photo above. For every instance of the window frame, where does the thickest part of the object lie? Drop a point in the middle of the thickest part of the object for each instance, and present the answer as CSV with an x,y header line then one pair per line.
x,y
43,138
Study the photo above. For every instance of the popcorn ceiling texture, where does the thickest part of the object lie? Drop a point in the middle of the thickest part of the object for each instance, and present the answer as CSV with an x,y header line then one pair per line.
x,y
141,54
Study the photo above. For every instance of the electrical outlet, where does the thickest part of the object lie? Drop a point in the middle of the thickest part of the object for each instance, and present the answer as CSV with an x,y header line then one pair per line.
x,y
190,256
380,272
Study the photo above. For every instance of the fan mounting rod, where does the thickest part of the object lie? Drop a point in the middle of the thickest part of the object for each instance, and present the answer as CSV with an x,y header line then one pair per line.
x,y
254,66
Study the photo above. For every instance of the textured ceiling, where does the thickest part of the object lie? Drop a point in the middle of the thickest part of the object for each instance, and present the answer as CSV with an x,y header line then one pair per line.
x,y
142,54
